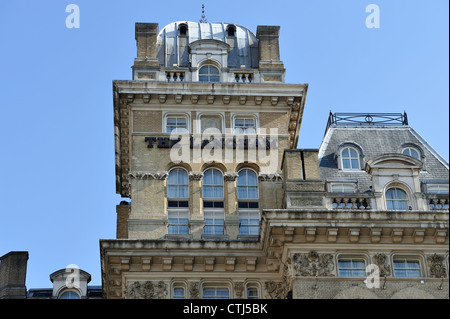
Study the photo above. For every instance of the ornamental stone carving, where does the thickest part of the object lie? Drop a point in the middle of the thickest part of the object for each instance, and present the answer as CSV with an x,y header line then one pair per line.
x,y
141,175
437,266
230,176
147,290
382,262
195,176
276,290
313,264
239,289
194,290
270,177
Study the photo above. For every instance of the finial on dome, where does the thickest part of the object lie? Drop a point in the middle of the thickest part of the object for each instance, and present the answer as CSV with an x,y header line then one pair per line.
x,y
203,19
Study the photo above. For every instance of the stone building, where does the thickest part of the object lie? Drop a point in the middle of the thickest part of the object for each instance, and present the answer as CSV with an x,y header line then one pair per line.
x,y
222,204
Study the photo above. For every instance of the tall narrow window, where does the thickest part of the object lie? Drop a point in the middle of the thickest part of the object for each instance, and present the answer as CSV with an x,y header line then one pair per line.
x,y
396,199
208,73
248,205
178,202
179,293
213,202
350,158
178,184
212,185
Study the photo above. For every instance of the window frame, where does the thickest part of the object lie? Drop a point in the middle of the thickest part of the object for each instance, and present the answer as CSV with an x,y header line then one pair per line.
x,y
406,259
209,75
413,148
216,288
214,225
168,116
350,158
351,185
179,226
178,185
397,200
352,270
239,130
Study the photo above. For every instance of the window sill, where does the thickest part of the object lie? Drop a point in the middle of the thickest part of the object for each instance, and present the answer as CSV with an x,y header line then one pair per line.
x,y
178,236
215,237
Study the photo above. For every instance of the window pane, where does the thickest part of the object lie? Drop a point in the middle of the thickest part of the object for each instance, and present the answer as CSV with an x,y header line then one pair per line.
x,y
353,153
346,163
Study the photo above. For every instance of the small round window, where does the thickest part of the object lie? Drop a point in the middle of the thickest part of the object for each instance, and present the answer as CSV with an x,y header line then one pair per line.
x,y
411,151
208,73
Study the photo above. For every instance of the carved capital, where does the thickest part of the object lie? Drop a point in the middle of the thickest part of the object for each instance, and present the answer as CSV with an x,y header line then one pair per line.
x,y
230,177
195,176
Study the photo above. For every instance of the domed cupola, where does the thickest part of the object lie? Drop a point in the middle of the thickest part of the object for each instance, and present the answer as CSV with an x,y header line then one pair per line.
x,y
186,51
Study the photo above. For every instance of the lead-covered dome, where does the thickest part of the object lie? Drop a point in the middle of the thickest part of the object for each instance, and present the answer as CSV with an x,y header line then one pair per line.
x,y
172,46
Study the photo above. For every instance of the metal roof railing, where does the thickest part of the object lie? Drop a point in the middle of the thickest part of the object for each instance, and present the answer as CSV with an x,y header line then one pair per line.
x,y
367,119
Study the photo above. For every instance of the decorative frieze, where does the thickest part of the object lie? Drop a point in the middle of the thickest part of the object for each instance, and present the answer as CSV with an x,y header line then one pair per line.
x,y
313,264
145,175
436,264
276,290
146,290
382,261
270,177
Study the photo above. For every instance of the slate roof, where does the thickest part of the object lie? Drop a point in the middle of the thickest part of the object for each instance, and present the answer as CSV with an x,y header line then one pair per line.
x,y
375,141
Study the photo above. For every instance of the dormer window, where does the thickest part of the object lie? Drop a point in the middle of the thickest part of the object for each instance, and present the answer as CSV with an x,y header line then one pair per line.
x,y
208,73
411,151
350,158
231,30
183,29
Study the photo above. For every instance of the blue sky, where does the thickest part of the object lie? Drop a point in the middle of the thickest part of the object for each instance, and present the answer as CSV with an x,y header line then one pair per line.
x,y
57,173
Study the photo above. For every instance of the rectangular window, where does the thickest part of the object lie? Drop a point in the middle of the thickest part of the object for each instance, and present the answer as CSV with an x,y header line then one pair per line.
x,y
404,268
343,188
352,268
252,293
178,293
437,189
216,293
244,126
178,222
249,223
176,124
214,223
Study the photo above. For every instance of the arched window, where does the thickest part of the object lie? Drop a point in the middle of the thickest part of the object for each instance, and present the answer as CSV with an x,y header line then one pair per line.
x,y
350,158
248,205
213,202
177,202
69,294
396,199
411,151
212,184
231,30
183,29
178,184
247,184
208,73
